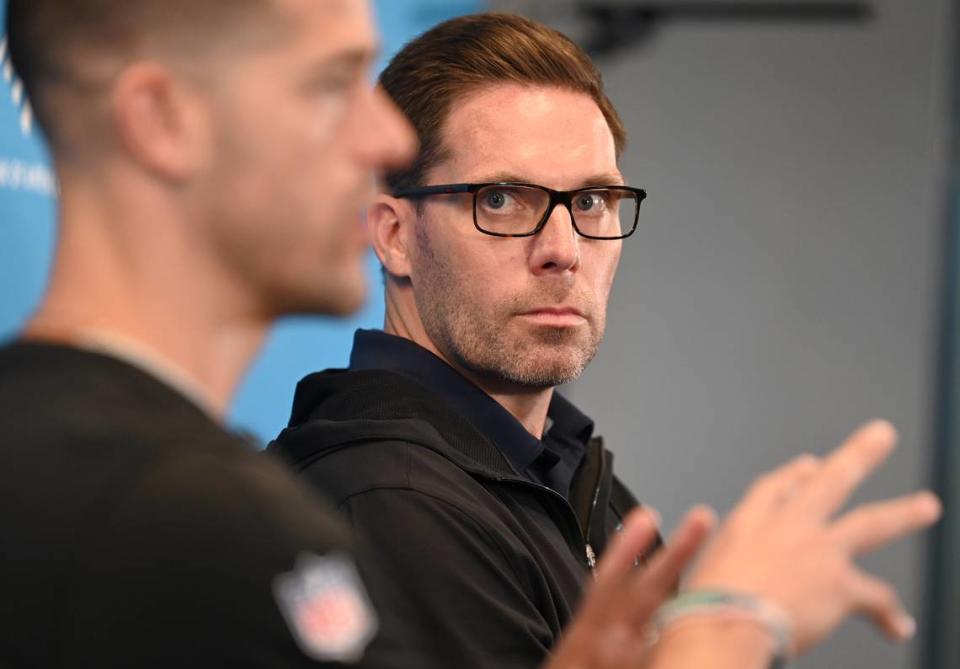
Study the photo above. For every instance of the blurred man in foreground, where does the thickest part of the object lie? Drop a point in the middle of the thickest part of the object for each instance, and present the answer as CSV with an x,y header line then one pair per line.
x,y
445,443
213,160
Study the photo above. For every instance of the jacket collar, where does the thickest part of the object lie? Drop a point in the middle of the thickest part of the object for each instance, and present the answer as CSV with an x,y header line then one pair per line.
x,y
331,409
567,426
337,408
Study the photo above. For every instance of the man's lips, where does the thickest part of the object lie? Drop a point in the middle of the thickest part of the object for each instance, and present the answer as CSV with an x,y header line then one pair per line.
x,y
555,316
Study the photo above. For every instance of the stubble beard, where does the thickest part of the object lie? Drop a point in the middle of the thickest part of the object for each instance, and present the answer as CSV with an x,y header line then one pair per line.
x,y
488,345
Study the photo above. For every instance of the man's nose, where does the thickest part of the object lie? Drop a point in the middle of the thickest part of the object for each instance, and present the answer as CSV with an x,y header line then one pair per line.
x,y
390,139
556,248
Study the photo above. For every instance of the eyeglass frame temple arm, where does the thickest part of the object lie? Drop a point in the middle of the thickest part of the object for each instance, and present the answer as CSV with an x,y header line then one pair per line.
x,y
423,191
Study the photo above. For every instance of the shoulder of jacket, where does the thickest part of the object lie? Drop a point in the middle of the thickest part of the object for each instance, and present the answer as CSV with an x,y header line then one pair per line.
x,y
380,464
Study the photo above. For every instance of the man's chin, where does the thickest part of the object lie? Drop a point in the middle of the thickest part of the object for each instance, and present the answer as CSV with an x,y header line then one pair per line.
x,y
548,366
559,337
545,376
346,302
341,299
347,292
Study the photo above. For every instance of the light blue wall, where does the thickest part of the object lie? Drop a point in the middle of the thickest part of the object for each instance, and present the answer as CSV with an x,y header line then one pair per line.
x,y
27,212
26,204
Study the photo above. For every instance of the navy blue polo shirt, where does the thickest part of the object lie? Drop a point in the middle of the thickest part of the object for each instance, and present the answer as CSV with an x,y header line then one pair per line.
x,y
551,461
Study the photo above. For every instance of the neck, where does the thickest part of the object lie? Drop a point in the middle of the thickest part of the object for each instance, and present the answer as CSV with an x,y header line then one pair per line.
x,y
528,405
155,296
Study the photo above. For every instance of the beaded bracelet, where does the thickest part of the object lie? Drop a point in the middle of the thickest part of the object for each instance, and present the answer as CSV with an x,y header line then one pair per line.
x,y
722,602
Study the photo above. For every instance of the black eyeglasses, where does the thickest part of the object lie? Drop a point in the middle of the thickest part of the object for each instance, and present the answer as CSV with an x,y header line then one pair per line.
x,y
507,209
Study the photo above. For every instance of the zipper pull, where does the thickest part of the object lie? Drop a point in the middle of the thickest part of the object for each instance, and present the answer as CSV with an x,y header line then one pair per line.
x,y
591,557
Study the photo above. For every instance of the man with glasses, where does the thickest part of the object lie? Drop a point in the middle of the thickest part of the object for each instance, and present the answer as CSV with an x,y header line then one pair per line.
x,y
445,442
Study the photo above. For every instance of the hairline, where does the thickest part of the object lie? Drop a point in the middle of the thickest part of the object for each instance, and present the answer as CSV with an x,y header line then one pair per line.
x,y
443,150
79,67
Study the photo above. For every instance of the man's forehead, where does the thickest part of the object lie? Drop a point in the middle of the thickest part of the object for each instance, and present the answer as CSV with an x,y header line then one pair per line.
x,y
538,132
329,8
335,24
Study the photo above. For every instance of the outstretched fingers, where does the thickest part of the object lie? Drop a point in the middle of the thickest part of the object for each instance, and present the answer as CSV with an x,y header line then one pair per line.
x,y
871,526
656,582
769,491
878,601
600,637
626,594
619,561
637,536
846,468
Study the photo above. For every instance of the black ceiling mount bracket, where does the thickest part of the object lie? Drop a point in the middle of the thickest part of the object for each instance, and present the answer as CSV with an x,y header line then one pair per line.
x,y
616,25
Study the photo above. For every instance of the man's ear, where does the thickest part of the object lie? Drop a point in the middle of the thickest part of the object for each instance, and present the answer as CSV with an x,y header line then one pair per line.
x,y
160,122
390,221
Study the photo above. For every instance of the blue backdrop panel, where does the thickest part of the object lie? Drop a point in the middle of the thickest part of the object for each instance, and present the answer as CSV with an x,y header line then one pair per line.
x,y
27,203
27,230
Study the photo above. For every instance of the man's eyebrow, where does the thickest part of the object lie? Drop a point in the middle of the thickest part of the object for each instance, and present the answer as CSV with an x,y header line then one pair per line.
x,y
352,60
605,179
500,176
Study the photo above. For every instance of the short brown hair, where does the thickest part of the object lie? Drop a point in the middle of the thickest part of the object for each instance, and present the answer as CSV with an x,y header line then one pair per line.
x,y
53,42
458,56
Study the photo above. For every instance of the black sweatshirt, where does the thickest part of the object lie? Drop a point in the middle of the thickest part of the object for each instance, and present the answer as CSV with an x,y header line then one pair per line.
x,y
138,533
490,563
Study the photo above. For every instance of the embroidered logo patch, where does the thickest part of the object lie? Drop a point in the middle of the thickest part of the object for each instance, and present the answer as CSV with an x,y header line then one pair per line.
x,y
326,607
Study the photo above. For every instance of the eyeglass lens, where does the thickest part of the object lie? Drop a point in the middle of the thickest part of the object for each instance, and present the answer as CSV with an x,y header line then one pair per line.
x,y
518,210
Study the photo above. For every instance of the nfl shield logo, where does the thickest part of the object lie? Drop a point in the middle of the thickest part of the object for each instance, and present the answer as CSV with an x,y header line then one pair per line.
x,y
326,607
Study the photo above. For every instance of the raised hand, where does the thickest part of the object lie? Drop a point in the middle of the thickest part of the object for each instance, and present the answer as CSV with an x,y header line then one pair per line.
x,y
783,544
612,628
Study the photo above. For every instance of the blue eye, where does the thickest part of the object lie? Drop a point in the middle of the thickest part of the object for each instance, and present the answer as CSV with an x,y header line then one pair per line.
x,y
587,201
495,199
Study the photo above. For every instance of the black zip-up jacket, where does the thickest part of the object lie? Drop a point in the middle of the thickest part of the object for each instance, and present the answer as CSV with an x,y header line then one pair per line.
x,y
490,564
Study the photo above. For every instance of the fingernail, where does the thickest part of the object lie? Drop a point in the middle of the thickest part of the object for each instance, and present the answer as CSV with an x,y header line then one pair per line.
x,y
706,511
929,504
654,515
882,429
906,626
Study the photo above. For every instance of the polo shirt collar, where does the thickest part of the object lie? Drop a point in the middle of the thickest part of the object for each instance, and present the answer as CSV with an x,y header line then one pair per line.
x,y
375,349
